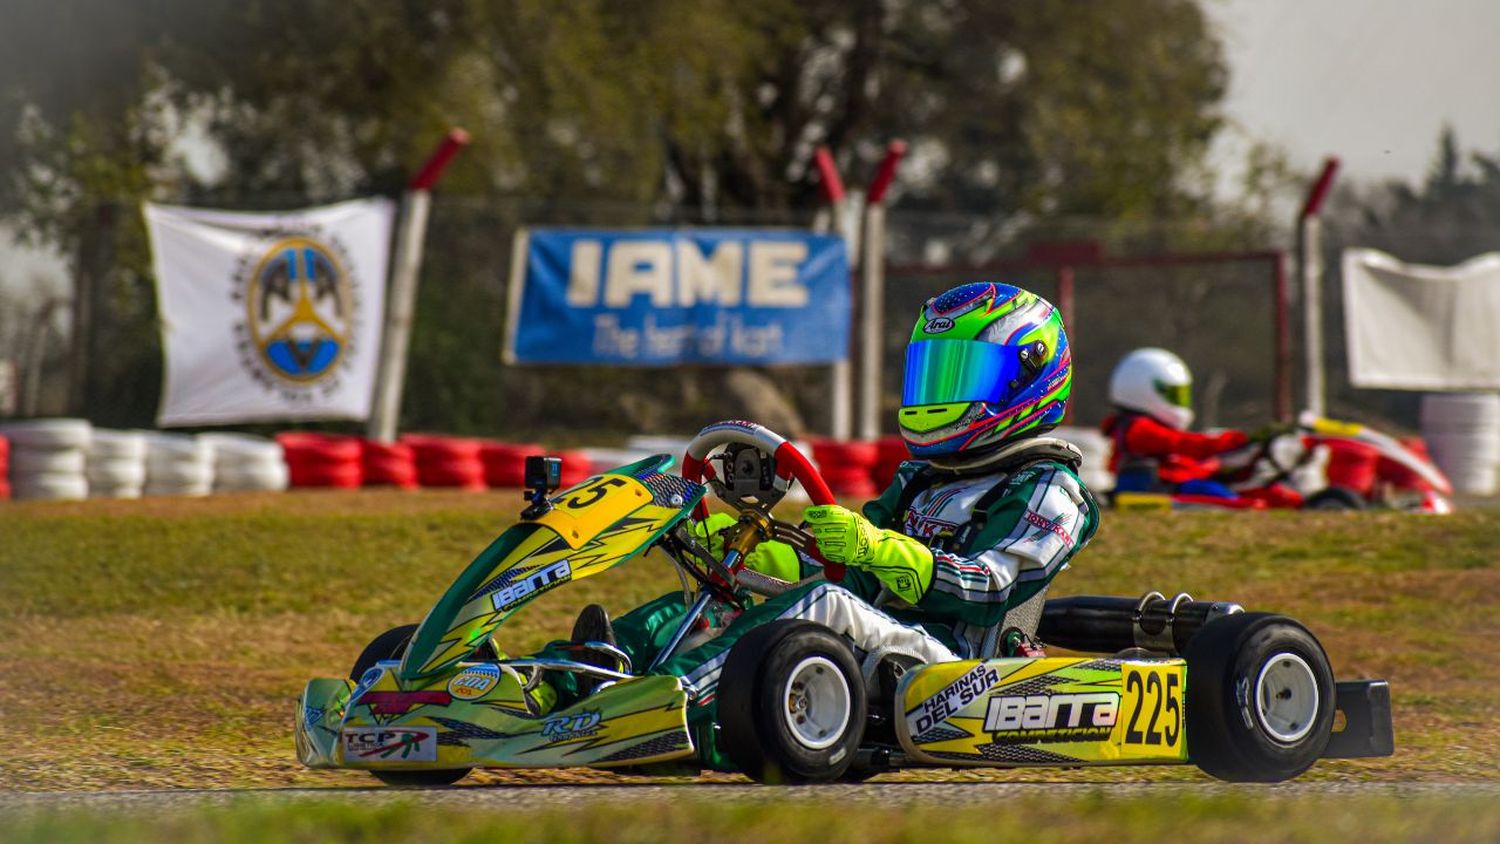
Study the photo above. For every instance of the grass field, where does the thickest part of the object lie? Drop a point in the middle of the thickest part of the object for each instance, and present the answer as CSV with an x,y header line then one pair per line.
x,y
1097,816
162,643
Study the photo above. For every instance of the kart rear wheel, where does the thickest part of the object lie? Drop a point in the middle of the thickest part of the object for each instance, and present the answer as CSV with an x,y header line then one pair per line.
x,y
792,705
391,645
1260,698
388,645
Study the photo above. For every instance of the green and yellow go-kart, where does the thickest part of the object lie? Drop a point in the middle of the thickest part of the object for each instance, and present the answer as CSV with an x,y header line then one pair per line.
x,y
1245,696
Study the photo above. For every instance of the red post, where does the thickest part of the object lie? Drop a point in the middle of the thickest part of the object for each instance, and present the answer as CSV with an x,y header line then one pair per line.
x,y
455,140
886,173
828,176
1319,191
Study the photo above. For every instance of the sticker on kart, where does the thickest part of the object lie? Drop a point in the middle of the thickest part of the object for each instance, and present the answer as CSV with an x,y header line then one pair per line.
x,y
389,744
1045,711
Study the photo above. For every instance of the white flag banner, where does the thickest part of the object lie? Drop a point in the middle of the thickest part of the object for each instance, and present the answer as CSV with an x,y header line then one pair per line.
x,y
1416,327
272,316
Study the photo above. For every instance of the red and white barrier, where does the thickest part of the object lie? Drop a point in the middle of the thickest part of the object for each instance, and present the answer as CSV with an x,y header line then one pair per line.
x,y
322,460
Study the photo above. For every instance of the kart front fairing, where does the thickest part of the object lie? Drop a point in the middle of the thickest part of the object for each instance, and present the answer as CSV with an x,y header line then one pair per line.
x,y
439,707
590,529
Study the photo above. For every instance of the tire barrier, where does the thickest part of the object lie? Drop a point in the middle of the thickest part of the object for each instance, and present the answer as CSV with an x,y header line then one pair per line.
x,y
890,453
243,463
505,463
47,458
388,464
116,464
322,460
1463,432
450,462
178,464
576,466
848,467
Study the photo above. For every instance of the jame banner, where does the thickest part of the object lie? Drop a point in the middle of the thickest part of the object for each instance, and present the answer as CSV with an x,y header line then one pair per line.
x,y
661,297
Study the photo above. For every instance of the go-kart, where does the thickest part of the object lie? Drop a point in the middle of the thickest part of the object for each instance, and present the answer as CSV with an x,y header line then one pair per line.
x,y
1318,464
1245,696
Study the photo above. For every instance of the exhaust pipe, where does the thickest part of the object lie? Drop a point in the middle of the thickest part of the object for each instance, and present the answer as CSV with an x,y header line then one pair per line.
x,y
1106,624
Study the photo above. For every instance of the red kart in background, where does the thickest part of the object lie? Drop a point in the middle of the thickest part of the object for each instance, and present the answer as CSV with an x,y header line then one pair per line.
x,y
1322,464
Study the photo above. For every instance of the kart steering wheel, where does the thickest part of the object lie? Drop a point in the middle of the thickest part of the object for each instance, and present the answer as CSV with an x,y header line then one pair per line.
x,y
790,463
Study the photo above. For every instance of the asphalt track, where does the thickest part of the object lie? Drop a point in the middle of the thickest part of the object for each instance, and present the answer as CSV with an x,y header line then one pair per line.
x,y
510,797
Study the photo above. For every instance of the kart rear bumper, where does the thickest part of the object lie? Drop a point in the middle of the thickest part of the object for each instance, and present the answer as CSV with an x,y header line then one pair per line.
x,y
1367,730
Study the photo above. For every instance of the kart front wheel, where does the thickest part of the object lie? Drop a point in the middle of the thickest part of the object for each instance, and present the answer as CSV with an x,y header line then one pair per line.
x,y
1260,698
1335,498
392,645
792,704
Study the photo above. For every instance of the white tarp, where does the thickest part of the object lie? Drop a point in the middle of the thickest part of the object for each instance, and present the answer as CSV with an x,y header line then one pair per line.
x,y
1415,327
270,317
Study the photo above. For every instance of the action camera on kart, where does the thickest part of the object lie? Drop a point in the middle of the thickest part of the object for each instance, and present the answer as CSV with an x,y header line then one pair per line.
x,y
543,475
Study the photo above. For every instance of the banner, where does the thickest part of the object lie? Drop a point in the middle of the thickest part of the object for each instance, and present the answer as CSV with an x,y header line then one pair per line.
x,y
675,296
270,317
1415,327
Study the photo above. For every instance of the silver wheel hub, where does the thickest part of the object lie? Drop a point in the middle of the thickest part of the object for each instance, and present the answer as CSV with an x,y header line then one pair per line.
x,y
816,703
1286,697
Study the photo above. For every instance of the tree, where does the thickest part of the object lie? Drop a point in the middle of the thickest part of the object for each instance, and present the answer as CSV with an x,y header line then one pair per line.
x,y
666,110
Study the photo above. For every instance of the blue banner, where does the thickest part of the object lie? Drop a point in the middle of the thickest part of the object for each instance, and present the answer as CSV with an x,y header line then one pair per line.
x,y
661,297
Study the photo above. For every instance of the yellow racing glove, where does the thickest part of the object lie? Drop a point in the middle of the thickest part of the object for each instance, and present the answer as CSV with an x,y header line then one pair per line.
x,y
773,559
900,562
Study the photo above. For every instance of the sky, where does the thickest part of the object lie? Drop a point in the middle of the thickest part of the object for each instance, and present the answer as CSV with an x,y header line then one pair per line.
x,y
1372,81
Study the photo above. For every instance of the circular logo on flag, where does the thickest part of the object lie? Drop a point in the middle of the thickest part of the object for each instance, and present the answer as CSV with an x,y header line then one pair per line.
x,y
299,306
300,311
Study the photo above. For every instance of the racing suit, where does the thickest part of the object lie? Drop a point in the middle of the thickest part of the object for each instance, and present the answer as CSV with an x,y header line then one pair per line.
x,y
998,536
1149,456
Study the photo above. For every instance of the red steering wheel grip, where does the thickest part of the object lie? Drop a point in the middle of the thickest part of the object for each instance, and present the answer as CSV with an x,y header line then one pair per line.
x,y
791,464
796,465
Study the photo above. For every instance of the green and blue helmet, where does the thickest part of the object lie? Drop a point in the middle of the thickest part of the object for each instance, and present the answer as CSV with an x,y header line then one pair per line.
x,y
987,363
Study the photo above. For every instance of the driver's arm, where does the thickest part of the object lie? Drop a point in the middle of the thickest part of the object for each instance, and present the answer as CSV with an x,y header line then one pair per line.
x,y
1028,537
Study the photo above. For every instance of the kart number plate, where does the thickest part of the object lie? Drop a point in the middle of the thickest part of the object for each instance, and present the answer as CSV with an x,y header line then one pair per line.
x,y
389,744
585,511
1150,722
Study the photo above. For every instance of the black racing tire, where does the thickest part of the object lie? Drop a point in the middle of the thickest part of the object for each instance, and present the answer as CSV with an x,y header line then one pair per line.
x,y
421,779
756,715
388,645
391,645
1260,698
1334,498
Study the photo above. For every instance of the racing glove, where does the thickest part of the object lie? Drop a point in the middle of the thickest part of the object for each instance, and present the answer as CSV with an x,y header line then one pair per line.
x,y
900,562
773,559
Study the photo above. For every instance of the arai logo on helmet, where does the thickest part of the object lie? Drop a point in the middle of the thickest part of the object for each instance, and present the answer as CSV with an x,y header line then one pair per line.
x,y
937,325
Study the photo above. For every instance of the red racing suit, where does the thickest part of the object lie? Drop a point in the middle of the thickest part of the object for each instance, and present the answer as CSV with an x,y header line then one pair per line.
x,y
1141,443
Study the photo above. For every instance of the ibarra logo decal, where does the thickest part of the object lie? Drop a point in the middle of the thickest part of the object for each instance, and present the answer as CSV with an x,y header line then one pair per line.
x,y
1088,716
300,308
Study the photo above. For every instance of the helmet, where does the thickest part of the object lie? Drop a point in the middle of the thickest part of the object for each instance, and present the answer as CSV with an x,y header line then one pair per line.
x,y
1154,382
987,363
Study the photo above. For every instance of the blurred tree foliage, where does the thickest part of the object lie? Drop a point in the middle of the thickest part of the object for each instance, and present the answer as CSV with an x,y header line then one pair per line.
x,y
654,110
